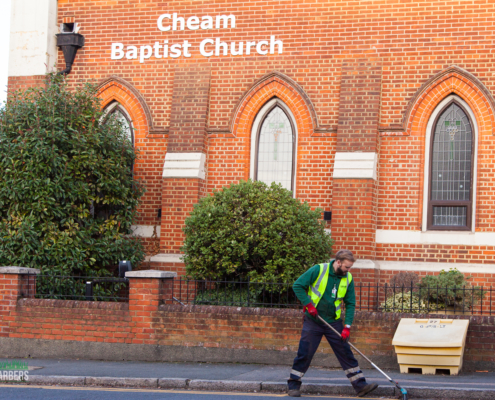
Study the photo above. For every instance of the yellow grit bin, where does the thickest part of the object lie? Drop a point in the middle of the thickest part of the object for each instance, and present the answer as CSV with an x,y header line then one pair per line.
x,y
430,344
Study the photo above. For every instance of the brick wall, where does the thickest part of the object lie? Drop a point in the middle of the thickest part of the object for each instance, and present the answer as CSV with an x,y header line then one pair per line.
x,y
178,199
359,105
189,109
220,328
354,216
372,276
9,291
25,82
146,320
403,57
435,253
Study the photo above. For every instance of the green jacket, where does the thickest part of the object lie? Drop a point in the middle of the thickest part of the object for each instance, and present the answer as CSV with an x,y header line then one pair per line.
x,y
326,306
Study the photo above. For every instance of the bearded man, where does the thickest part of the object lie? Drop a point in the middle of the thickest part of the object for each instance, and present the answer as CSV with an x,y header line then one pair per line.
x,y
322,289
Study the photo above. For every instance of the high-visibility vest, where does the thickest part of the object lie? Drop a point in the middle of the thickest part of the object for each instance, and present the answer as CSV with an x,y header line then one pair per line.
x,y
318,287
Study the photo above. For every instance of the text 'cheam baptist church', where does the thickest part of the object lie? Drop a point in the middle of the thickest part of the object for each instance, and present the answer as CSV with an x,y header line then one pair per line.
x,y
207,48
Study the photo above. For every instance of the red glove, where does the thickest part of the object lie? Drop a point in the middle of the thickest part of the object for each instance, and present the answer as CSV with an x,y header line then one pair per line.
x,y
311,309
346,332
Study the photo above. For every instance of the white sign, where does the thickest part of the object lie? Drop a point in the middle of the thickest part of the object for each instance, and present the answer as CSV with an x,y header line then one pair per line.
x,y
207,48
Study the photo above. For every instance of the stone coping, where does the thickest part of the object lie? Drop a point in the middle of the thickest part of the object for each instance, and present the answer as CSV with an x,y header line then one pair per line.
x,y
165,258
18,270
151,273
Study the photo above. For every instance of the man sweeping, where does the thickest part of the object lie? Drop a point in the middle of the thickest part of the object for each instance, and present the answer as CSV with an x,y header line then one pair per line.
x,y
322,289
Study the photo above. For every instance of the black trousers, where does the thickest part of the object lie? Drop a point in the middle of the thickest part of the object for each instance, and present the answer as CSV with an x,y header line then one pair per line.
x,y
311,335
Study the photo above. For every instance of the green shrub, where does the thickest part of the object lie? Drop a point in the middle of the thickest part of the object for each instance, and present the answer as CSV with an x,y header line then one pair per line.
x,y
403,281
244,294
404,302
253,230
227,295
67,192
453,290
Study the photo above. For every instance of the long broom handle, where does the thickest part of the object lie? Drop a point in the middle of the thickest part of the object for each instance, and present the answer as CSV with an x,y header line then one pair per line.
x,y
354,347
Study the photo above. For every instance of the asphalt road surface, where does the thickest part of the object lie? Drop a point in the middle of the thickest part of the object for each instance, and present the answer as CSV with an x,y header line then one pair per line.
x,y
20,392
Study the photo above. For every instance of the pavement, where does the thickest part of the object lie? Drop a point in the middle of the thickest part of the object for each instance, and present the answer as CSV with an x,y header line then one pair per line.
x,y
250,378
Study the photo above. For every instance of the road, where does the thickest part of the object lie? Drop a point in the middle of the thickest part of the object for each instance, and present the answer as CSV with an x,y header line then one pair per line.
x,y
11,392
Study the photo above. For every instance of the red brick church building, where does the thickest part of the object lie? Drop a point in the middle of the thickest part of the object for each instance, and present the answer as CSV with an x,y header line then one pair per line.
x,y
378,112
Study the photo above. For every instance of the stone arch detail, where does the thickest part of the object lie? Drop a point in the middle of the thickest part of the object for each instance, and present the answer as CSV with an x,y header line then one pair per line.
x,y
274,84
453,80
117,89
254,100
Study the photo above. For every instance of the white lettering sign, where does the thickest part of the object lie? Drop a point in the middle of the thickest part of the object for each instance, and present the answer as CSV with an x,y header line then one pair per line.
x,y
207,48
167,22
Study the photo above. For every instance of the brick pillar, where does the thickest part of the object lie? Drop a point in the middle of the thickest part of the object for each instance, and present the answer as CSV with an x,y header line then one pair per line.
x,y
14,282
184,169
145,296
354,196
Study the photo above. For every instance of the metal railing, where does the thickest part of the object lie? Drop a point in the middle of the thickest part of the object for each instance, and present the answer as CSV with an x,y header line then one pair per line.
x,y
450,300
86,288
229,293
369,297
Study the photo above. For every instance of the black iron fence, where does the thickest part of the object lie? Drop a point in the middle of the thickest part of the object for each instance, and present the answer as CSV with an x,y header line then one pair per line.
x,y
458,299
369,297
86,288
230,293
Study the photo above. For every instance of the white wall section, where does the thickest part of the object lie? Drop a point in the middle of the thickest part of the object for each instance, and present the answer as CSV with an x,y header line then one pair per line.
x,y
435,237
145,231
184,165
33,25
355,165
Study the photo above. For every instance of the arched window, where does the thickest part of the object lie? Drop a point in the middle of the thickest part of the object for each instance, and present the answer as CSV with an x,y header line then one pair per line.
x,y
275,145
451,164
116,110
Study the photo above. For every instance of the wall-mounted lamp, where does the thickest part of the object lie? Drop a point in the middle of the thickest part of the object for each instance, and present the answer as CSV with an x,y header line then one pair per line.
x,y
69,40
124,266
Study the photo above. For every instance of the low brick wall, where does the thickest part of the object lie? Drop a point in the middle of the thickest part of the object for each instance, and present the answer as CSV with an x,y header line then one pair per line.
x,y
148,330
204,333
89,321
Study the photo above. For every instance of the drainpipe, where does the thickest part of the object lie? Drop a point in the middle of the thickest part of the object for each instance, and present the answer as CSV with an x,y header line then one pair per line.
x,y
70,42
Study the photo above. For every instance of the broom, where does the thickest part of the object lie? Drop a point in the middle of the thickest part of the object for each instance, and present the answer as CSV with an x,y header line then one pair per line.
x,y
402,390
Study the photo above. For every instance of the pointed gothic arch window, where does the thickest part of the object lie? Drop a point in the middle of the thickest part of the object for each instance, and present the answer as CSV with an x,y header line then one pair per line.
x,y
275,145
451,165
116,110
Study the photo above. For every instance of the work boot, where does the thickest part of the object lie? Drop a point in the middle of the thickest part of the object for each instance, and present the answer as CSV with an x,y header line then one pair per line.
x,y
294,393
367,389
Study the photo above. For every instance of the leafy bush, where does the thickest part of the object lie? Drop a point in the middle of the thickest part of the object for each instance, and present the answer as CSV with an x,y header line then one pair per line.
x,y
453,289
67,192
245,294
404,280
404,302
74,288
227,295
433,293
253,230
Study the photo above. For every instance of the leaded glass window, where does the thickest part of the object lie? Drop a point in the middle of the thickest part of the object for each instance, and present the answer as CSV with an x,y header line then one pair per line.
x,y
451,170
275,152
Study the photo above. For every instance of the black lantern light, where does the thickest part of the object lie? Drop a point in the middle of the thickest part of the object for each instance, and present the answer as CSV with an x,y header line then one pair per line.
x,y
124,266
69,40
